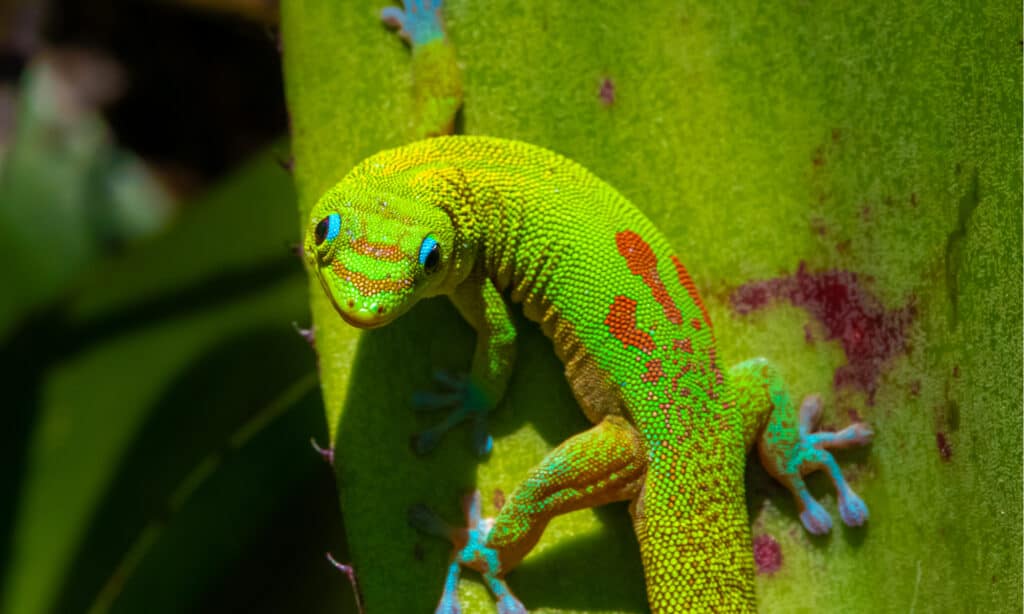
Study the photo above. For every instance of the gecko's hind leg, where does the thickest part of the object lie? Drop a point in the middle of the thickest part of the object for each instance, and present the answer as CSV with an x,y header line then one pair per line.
x,y
788,445
471,551
603,464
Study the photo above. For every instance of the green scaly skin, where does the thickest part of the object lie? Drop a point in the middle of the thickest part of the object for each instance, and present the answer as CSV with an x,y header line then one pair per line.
x,y
672,426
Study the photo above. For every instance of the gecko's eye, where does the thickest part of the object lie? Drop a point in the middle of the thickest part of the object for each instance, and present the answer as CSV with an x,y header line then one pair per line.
x,y
327,228
430,254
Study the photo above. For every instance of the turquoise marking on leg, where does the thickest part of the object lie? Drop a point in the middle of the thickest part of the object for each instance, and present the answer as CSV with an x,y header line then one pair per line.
x,y
857,434
814,517
449,603
809,454
790,448
419,21
471,551
852,509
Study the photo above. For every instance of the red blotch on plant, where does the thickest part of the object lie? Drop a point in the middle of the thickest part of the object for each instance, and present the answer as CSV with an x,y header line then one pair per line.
x,y
607,92
870,333
819,157
767,554
945,448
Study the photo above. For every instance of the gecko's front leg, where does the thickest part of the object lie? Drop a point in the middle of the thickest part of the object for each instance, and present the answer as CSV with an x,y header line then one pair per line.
x,y
603,464
472,397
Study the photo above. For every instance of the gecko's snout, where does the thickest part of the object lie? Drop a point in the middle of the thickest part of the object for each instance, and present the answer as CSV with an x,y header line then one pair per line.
x,y
372,317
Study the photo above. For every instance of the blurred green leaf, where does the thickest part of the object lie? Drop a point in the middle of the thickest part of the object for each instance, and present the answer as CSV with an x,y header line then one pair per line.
x,y
166,414
880,139
68,196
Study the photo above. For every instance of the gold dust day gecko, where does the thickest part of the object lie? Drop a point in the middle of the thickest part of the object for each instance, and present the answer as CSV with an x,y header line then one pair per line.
x,y
485,221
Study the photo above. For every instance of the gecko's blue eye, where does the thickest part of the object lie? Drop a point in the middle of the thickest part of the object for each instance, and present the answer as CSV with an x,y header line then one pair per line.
x,y
430,254
327,228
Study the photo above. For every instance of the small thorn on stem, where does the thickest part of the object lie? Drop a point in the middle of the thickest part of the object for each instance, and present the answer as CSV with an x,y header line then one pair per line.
x,y
309,334
349,571
286,163
326,453
274,36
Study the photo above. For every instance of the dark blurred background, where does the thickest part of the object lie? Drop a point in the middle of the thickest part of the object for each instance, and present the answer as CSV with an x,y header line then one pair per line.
x,y
159,403
193,87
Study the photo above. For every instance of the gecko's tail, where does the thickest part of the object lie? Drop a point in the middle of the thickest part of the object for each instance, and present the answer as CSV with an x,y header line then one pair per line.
x,y
691,522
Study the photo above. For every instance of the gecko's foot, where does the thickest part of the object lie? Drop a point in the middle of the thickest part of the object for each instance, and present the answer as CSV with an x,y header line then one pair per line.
x,y
814,518
809,452
471,550
418,21
467,402
852,509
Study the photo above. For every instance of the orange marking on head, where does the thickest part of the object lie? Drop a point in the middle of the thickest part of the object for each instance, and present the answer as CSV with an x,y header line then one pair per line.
x,y
641,261
380,251
621,322
368,286
691,288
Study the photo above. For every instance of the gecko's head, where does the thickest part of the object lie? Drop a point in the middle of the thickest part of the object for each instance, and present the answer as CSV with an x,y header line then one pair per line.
x,y
376,256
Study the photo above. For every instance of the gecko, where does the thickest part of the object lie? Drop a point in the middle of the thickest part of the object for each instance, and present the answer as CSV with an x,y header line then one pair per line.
x,y
482,220
488,221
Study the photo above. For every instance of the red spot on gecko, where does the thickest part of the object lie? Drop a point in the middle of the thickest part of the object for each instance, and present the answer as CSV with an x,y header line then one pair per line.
x,y
870,334
683,345
915,388
621,322
654,372
642,261
691,288
767,554
712,362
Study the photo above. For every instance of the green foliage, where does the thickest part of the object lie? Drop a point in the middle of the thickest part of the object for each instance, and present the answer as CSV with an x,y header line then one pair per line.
x,y
878,138
68,196
161,415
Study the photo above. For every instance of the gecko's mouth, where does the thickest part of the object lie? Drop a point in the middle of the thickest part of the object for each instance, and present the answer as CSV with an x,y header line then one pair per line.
x,y
360,321
355,316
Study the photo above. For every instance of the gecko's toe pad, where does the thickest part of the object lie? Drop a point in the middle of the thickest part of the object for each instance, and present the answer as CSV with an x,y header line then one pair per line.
x,y
508,604
853,510
815,519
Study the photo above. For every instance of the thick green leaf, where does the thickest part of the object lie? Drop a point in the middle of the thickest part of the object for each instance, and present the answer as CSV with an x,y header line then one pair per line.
x,y
875,144
168,410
